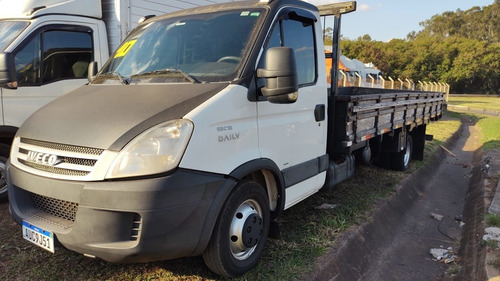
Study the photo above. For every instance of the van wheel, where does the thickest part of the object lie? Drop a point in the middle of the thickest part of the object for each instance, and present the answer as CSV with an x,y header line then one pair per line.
x,y
401,160
241,231
4,156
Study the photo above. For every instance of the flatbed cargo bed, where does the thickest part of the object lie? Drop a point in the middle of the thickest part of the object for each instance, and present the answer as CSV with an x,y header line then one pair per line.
x,y
364,113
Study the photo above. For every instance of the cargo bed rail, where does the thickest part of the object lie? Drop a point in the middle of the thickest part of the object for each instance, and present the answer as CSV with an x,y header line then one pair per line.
x,y
365,113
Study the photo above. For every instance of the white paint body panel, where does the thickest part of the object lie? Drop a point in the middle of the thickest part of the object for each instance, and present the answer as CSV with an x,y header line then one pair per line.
x,y
225,133
22,8
302,190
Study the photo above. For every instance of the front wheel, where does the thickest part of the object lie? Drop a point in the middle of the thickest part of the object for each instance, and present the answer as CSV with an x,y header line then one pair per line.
x,y
4,155
241,231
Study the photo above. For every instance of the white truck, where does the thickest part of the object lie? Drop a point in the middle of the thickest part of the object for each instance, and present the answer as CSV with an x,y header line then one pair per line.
x,y
199,131
52,43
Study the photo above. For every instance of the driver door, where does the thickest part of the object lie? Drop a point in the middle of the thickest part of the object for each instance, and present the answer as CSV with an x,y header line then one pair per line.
x,y
289,134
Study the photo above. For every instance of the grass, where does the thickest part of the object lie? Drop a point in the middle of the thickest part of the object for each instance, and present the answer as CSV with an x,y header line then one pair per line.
x,y
490,129
490,125
476,101
441,131
495,262
306,234
453,270
493,220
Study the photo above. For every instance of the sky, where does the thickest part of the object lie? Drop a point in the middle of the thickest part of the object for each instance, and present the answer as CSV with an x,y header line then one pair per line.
x,y
384,20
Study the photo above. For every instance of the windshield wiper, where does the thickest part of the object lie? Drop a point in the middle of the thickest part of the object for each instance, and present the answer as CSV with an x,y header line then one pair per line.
x,y
122,79
167,71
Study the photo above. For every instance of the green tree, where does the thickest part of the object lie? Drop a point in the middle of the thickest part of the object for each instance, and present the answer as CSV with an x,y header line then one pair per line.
x,y
461,48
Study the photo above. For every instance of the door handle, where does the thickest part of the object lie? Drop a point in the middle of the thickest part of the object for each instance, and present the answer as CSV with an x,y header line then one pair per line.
x,y
319,112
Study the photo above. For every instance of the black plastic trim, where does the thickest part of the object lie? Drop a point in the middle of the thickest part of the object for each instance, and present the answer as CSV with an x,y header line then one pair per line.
x,y
178,213
8,132
305,170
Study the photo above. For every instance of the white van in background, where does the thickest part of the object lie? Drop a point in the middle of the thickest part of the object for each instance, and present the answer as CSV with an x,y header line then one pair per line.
x,y
49,44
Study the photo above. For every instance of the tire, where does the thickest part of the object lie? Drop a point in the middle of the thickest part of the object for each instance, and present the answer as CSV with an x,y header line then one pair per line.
x,y
4,156
231,251
401,160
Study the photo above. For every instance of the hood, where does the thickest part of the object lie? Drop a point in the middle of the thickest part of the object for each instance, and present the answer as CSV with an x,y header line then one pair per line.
x,y
110,116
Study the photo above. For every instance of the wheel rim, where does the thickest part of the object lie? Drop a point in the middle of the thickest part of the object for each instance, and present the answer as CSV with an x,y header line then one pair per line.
x,y
407,153
245,231
3,181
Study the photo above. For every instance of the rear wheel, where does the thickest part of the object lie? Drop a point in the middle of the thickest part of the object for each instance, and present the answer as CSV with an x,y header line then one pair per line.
x,y
241,231
401,160
4,156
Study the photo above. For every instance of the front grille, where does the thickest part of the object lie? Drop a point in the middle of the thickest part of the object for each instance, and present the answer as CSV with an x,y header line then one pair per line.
x,y
69,160
59,208
63,147
54,170
66,161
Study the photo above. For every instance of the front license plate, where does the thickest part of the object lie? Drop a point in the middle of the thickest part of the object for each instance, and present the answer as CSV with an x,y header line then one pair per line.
x,y
38,236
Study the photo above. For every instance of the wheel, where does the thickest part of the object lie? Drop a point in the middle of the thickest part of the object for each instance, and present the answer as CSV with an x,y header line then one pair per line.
x,y
401,160
231,59
4,156
241,231
363,156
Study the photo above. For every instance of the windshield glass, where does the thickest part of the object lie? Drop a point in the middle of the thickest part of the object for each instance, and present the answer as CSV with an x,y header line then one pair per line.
x,y
192,49
9,30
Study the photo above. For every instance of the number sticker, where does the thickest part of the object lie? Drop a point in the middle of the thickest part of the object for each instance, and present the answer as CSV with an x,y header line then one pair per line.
x,y
125,48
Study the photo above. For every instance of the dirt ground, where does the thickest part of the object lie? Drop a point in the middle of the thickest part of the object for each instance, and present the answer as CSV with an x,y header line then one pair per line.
x,y
395,245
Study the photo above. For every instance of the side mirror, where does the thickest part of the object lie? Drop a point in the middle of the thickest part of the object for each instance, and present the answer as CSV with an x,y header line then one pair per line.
x,y
92,71
8,76
281,76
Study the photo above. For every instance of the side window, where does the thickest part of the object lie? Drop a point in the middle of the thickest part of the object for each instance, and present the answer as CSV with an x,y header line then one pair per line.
x,y
66,54
300,37
274,41
54,55
28,63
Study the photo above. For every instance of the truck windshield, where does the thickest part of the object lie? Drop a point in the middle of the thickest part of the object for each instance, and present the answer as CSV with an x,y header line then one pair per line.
x,y
192,49
9,30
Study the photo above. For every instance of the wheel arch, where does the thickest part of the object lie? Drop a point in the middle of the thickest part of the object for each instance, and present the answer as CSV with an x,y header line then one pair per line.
x,y
266,173
263,171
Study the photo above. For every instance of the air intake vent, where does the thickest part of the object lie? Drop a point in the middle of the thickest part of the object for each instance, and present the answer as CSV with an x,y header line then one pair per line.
x,y
136,228
59,208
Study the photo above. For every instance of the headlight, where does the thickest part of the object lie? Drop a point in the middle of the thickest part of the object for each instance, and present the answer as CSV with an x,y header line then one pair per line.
x,y
155,151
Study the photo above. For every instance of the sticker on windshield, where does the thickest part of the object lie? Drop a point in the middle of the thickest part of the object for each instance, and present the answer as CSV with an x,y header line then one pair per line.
x,y
249,13
125,48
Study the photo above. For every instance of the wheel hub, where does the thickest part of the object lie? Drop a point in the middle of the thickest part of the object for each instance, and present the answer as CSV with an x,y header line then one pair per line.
x,y
252,230
246,229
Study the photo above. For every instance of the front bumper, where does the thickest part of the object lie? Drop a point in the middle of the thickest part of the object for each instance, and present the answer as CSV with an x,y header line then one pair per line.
x,y
123,221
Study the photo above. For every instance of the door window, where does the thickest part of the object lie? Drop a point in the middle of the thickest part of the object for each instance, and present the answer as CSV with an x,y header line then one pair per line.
x,y
54,55
297,34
